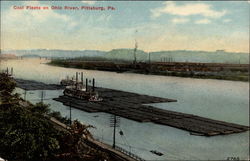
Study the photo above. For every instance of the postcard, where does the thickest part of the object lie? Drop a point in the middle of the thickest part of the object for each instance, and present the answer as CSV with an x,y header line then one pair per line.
x,y
124,80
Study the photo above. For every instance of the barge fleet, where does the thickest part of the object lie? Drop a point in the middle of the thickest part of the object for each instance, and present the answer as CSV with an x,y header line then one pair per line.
x,y
133,106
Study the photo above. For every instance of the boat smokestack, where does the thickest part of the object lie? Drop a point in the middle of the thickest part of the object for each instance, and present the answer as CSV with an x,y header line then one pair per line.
x,y
82,77
93,85
12,71
86,84
76,76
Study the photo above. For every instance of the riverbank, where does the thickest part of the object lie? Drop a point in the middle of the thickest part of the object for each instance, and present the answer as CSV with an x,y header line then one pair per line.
x,y
234,72
28,131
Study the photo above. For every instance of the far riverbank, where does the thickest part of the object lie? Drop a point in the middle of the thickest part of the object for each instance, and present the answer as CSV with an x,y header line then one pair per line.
x,y
234,72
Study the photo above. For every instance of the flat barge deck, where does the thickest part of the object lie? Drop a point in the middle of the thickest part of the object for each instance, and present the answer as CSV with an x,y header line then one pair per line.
x,y
132,106
34,85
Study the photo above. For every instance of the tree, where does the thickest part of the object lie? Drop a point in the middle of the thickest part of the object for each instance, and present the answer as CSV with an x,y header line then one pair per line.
x,y
26,133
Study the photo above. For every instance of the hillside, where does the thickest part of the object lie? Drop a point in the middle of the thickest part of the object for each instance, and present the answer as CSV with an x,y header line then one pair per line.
x,y
126,54
55,53
142,56
7,56
181,56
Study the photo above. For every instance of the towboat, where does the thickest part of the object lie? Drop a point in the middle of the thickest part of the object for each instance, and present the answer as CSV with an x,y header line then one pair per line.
x,y
79,90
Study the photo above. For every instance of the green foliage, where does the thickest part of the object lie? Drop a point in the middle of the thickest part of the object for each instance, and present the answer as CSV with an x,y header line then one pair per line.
x,y
7,84
26,133
58,116
40,108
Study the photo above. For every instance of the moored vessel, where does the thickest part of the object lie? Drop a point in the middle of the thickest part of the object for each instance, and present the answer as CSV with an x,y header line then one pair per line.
x,y
80,90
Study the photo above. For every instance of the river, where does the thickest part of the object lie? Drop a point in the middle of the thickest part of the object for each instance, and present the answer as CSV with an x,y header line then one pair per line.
x,y
216,99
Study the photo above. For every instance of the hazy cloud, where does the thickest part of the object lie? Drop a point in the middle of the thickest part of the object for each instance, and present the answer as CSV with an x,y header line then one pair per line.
x,y
180,20
28,17
43,14
227,20
187,10
203,21
88,2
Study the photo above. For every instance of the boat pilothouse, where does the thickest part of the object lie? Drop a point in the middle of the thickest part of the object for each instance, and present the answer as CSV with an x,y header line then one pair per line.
x,y
67,82
80,90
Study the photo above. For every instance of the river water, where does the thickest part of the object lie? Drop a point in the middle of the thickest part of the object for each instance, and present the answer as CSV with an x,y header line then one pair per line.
x,y
216,99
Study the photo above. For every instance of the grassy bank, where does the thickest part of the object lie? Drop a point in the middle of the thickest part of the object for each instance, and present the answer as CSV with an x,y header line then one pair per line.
x,y
192,70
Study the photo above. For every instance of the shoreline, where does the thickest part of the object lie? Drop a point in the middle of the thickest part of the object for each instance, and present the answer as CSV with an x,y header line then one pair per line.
x,y
156,69
56,129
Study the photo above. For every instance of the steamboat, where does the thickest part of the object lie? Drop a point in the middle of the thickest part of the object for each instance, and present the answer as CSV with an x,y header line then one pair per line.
x,y
80,90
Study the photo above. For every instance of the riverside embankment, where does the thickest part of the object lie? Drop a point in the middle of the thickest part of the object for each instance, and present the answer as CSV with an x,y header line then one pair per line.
x,y
236,72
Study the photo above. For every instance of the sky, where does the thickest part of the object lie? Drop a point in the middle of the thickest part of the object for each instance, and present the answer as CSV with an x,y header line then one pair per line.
x,y
156,26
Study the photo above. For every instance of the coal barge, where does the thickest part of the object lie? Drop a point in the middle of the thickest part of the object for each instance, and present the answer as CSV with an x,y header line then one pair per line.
x,y
133,106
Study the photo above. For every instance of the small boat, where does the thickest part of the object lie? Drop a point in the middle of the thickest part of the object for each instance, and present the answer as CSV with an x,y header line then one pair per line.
x,y
156,152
